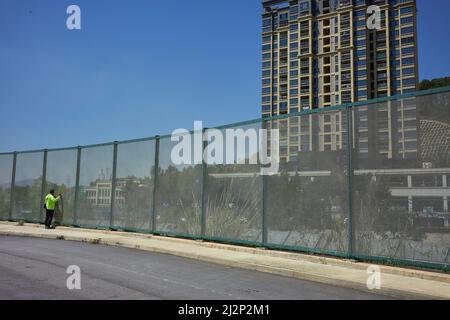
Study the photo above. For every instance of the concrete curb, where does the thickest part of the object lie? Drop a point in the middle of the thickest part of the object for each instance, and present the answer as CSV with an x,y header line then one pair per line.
x,y
343,273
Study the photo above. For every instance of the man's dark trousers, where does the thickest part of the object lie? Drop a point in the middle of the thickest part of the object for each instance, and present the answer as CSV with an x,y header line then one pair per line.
x,y
49,217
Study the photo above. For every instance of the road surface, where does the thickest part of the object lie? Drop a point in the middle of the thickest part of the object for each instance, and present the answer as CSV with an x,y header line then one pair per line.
x,y
33,268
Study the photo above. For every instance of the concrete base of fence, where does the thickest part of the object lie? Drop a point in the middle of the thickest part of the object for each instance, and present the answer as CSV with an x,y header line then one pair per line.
x,y
395,282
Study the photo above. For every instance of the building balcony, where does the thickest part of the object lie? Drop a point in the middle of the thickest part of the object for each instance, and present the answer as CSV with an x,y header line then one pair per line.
x,y
304,64
346,86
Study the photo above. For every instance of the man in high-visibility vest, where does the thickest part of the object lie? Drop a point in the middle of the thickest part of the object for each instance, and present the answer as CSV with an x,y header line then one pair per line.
x,y
50,206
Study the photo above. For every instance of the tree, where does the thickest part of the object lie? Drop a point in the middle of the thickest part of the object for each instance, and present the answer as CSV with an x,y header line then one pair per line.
x,y
434,83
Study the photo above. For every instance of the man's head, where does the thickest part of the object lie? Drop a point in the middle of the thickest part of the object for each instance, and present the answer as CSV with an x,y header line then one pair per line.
x,y
52,192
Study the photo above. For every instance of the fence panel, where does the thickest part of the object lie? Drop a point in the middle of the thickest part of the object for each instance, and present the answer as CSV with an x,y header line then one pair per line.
x,y
178,189
6,165
401,160
134,185
94,192
28,186
61,176
307,202
233,197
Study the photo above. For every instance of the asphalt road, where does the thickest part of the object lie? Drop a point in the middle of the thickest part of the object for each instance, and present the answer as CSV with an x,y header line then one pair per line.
x,y
36,269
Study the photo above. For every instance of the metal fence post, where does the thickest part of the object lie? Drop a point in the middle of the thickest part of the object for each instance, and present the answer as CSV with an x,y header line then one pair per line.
x,y
113,185
13,182
43,185
446,260
204,184
263,191
350,180
77,186
155,183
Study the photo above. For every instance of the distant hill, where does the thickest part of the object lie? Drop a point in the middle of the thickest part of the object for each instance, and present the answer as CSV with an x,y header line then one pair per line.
x,y
5,185
22,183
25,183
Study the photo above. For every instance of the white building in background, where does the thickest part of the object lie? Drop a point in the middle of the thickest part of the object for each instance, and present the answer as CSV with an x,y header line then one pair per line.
x,y
100,192
422,190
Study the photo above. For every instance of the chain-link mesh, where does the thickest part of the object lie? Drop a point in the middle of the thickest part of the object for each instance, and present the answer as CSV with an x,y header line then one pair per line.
x,y
233,200
6,165
401,161
61,176
134,185
28,186
94,192
306,202
178,188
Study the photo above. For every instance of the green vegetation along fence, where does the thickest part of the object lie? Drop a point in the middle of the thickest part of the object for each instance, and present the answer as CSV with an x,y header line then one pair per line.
x,y
368,181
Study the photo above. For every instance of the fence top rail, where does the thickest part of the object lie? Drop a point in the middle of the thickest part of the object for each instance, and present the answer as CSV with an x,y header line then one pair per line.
x,y
258,120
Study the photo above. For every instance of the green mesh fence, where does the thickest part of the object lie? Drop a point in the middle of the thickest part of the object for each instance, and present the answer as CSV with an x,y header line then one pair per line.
x,y
232,190
27,195
369,181
306,202
61,172
401,162
178,189
133,203
93,207
6,166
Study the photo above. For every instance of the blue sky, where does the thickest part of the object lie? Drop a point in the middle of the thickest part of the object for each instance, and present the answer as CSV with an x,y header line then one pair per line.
x,y
143,67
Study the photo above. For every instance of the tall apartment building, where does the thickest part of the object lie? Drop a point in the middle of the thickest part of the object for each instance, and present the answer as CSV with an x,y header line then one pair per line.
x,y
320,53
